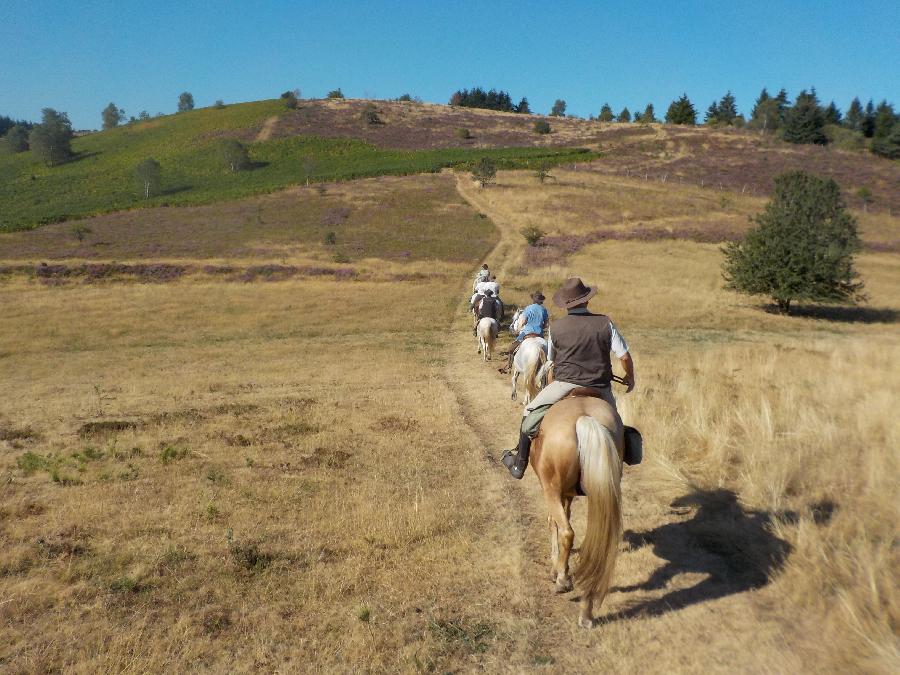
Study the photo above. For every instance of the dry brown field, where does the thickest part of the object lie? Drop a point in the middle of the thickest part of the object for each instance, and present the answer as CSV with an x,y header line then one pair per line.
x,y
222,471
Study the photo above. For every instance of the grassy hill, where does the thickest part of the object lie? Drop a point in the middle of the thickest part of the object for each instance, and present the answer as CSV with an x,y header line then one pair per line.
x,y
100,177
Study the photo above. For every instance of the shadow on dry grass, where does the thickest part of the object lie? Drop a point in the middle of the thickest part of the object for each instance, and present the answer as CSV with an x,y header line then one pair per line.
x,y
735,548
842,313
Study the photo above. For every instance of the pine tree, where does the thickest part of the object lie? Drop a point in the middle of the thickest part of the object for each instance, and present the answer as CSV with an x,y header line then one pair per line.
x,y
760,100
648,116
523,107
832,114
801,248
606,113
854,117
624,116
712,113
681,111
886,134
727,108
805,122
867,125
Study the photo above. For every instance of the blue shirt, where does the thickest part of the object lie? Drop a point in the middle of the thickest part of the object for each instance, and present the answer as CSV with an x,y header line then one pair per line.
x,y
536,316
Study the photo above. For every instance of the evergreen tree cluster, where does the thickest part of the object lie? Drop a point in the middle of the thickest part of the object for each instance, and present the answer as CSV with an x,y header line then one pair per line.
x,y
489,100
7,123
723,111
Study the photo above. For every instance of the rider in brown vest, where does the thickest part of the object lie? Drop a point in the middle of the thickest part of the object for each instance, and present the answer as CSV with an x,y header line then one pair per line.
x,y
580,346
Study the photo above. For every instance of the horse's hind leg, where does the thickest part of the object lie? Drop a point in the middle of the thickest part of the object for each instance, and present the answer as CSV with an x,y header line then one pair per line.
x,y
515,376
565,537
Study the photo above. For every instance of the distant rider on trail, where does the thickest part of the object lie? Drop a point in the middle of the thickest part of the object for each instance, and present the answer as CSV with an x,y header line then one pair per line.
x,y
580,346
536,321
484,274
490,308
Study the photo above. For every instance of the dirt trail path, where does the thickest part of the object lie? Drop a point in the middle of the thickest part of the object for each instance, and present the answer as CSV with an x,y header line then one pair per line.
x,y
674,607
268,127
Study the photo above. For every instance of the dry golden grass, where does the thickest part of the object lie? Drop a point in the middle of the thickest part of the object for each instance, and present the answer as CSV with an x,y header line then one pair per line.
x,y
291,476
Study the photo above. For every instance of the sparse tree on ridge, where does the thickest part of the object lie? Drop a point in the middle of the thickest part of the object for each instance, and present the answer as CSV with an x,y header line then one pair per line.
x,y
51,140
149,176
832,114
648,116
606,113
185,101
767,112
801,248
723,111
112,116
143,115
681,111
624,116
523,107
854,117
637,117
17,139
804,122
558,109
335,93
234,155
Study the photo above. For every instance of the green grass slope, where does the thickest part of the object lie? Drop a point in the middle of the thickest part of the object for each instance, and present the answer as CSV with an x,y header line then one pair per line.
x,y
100,177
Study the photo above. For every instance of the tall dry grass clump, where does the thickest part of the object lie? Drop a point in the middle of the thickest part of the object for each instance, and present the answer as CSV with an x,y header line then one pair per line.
x,y
804,433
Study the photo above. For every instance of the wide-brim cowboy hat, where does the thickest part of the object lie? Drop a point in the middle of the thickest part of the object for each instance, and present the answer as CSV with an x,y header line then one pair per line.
x,y
538,297
573,292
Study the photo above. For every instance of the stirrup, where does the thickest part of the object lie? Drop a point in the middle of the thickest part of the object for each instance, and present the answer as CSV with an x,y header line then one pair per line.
x,y
509,459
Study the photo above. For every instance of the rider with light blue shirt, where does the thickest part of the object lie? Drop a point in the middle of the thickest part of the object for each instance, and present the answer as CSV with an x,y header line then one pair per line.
x,y
537,318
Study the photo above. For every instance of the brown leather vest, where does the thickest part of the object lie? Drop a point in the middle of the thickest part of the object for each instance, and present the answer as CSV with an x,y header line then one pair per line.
x,y
488,308
581,344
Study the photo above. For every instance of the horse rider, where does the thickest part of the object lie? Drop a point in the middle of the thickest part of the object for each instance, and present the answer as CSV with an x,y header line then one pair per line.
x,y
579,347
490,308
483,274
481,289
536,321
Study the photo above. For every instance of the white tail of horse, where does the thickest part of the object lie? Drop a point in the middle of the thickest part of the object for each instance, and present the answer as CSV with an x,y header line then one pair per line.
x,y
601,473
487,335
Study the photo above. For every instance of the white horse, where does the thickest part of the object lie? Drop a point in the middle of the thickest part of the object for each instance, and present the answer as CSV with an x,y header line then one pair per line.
x,y
515,324
487,331
529,361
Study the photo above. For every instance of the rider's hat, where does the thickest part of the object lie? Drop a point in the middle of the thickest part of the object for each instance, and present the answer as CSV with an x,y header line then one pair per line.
x,y
488,292
538,296
573,292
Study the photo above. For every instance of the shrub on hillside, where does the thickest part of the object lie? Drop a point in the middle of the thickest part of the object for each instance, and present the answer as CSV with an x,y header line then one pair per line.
x,y
185,101
234,155
532,234
542,127
369,115
17,139
218,105
558,109
336,93
463,133
802,247
290,100
51,140
843,138
149,176
485,171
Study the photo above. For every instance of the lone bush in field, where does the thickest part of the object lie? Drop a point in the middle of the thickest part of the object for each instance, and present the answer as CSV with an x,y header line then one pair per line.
x,y
463,133
51,140
369,115
801,248
234,155
78,231
290,100
485,171
533,235
149,175
185,101
112,116
17,139
542,127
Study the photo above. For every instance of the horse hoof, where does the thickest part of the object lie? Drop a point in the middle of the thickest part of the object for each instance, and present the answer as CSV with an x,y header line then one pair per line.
x,y
564,586
585,623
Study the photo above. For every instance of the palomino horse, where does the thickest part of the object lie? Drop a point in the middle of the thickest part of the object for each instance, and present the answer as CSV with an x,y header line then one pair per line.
x,y
487,331
580,444
529,361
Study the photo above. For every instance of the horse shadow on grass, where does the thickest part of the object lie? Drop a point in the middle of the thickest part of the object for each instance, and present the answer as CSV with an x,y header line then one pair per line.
x,y
735,548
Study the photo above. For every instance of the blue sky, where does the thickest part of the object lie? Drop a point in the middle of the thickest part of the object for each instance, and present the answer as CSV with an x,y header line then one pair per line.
x,y
77,56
